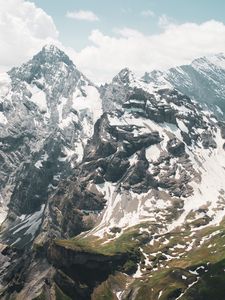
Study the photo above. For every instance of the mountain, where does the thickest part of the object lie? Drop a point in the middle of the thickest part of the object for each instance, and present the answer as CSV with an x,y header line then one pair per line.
x,y
48,109
202,80
114,192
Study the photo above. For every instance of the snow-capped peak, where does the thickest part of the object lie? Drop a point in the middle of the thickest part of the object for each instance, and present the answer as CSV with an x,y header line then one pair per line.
x,y
210,61
125,76
202,80
47,63
51,48
52,52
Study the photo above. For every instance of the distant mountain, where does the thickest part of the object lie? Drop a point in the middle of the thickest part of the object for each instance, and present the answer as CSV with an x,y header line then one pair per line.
x,y
113,192
202,80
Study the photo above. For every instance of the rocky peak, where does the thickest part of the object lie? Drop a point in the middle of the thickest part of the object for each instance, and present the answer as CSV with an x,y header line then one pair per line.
x,y
50,66
50,82
149,77
47,108
51,53
202,80
125,76
115,93
210,61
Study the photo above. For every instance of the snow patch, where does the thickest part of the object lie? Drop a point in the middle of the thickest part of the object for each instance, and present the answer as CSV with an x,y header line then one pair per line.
x,y
38,164
39,98
3,119
153,153
91,102
211,164
5,84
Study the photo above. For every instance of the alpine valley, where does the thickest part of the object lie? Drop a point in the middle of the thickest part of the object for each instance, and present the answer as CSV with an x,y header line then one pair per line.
x,y
114,192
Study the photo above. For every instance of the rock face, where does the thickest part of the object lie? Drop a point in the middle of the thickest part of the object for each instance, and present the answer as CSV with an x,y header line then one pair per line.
x,y
202,80
90,268
105,194
176,147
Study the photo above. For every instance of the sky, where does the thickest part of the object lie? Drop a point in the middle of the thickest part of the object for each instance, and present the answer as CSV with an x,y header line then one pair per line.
x,y
102,37
127,13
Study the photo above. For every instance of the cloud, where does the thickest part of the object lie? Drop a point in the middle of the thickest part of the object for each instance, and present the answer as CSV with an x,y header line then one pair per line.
x,y
165,21
24,29
127,32
177,44
148,13
84,15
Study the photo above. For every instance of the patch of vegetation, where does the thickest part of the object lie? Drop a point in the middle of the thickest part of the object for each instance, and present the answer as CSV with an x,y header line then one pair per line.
x,y
210,286
130,267
127,242
161,285
106,291
103,292
165,281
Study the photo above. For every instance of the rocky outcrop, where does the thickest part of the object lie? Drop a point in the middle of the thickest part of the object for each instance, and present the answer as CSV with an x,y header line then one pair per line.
x,y
207,140
176,147
90,269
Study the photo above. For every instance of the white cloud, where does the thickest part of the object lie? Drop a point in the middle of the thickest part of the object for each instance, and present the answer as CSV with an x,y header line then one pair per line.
x,y
175,45
24,29
84,15
165,21
148,13
128,32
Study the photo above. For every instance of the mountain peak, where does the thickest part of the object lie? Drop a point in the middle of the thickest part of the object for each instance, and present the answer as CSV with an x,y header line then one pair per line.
x,y
51,48
52,54
49,60
215,60
124,76
152,76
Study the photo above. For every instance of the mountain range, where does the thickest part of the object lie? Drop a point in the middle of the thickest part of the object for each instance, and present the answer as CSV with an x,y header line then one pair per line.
x,y
113,192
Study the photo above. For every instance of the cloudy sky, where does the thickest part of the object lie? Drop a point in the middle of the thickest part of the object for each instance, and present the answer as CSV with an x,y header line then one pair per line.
x,y
103,37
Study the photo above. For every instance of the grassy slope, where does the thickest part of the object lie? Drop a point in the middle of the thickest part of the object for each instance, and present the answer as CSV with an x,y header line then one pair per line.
x,y
164,278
